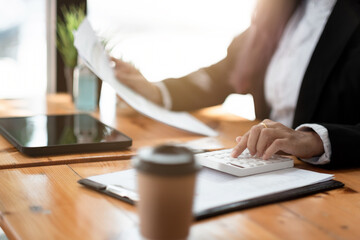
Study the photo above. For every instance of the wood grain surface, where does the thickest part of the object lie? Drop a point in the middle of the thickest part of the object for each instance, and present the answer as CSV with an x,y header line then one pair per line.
x,y
41,199
143,131
48,203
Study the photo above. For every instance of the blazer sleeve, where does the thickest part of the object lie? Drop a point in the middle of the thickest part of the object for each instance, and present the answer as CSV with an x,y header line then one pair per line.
x,y
345,143
205,87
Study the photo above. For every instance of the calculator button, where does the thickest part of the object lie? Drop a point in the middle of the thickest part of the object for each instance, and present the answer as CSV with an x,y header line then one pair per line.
x,y
243,165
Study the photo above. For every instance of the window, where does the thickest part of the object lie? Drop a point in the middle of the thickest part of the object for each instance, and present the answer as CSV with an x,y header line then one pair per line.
x,y
22,48
169,38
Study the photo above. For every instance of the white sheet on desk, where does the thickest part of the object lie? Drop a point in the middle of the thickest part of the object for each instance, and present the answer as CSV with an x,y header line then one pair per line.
x,y
215,188
204,143
95,57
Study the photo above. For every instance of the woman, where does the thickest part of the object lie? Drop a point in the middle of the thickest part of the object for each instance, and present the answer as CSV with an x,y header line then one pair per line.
x,y
306,72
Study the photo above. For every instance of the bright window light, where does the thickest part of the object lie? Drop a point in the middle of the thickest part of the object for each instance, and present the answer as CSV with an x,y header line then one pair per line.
x,y
22,48
169,38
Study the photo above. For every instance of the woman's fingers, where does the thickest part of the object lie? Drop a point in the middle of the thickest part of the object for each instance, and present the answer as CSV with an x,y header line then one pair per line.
x,y
269,138
259,138
254,138
267,135
123,67
241,146
275,146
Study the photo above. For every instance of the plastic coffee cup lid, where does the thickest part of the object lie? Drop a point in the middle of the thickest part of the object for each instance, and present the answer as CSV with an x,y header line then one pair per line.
x,y
165,160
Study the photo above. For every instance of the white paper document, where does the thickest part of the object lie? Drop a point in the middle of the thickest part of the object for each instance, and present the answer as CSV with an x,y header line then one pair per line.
x,y
214,188
95,57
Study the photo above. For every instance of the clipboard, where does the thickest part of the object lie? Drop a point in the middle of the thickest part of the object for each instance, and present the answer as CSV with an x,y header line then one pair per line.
x,y
131,197
272,198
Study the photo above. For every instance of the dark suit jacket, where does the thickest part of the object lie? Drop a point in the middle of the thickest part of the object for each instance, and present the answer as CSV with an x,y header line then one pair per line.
x,y
330,91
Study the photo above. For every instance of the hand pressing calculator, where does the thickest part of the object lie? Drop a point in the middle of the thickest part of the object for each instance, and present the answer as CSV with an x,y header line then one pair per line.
x,y
244,164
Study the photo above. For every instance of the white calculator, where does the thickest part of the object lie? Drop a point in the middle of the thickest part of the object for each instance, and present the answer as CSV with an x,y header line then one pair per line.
x,y
243,165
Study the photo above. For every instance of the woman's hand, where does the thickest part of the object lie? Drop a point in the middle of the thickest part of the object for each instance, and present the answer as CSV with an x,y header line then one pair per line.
x,y
269,137
132,77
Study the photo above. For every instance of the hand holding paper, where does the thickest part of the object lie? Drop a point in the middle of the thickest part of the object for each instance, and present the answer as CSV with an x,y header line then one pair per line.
x,y
95,57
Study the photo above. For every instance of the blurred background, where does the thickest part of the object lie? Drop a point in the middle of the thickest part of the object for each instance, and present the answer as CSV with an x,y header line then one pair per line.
x,y
163,38
22,48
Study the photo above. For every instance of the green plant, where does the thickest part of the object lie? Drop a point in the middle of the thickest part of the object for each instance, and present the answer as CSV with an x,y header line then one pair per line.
x,y
73,16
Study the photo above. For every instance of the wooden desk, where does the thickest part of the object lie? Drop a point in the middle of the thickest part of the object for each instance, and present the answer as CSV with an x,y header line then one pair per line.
x,y
52,104
143,131
48,203
44,201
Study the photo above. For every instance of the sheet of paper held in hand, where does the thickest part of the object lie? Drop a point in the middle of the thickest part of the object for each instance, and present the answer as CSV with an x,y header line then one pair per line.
x,y
214,188
95,57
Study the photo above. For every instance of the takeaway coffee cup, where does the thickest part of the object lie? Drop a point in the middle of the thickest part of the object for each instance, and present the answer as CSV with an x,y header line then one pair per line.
x,y
166,182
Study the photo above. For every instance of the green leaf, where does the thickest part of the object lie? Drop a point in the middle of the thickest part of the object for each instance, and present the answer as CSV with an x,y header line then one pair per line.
x,y
73,16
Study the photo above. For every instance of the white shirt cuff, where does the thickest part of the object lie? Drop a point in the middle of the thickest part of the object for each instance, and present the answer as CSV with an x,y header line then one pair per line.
x,y
324,135
166,99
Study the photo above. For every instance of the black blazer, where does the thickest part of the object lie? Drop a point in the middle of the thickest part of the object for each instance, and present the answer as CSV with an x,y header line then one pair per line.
x,y
329,94
330,91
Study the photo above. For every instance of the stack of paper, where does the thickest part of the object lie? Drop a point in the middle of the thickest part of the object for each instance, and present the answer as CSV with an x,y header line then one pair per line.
x,y
215,189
